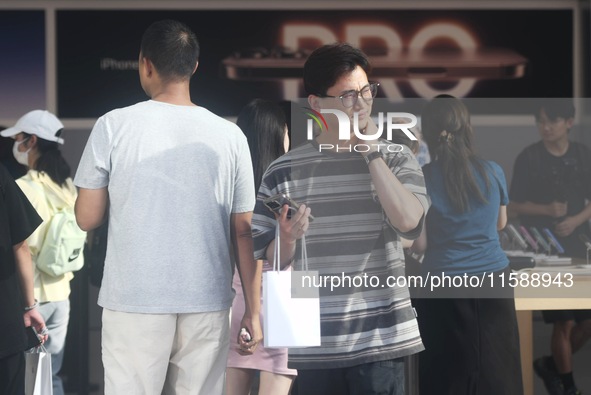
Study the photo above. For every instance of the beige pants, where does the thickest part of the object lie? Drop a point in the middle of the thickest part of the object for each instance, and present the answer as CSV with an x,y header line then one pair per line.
x,y
170,354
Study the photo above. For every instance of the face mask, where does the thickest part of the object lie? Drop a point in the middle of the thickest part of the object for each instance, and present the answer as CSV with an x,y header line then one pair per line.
x,y
21,157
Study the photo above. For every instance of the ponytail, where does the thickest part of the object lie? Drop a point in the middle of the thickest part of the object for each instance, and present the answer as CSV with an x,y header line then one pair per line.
x,y
448,133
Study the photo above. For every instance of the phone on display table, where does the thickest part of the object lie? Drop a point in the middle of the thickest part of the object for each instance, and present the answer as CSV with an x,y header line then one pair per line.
x,y
516,237
541,241
528,237
32,339
554,241
276,202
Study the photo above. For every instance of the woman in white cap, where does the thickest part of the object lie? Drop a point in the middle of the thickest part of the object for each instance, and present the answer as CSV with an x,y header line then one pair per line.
x,y
48,187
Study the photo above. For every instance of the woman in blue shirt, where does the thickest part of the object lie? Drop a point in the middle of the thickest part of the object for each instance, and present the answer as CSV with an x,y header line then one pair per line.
x,y
471,338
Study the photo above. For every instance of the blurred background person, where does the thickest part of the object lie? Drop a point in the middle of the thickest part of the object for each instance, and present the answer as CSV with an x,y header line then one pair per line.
x,y
551,188
265,126
48,187
551,184
471,343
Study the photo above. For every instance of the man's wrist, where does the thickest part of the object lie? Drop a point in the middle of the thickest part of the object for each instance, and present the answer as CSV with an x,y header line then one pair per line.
x,y
371,149
373,156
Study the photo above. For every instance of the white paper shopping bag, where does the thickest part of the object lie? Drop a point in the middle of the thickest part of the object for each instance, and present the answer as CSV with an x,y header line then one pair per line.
x,y
38,378
290,321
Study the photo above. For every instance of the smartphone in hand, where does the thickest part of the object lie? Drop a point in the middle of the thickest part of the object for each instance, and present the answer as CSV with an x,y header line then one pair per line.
x,y
276,202
245,335
32,339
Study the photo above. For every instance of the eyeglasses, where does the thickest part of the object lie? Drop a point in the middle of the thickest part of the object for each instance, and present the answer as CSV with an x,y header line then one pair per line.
x,y
349,98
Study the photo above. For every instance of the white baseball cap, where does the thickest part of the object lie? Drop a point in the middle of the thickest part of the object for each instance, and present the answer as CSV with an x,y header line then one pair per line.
x,y
41,123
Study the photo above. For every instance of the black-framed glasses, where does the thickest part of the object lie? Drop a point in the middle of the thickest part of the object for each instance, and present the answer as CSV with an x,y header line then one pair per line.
x,y
349,98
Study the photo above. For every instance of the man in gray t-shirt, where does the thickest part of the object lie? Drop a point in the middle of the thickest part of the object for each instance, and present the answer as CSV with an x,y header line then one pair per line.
x,y
178,184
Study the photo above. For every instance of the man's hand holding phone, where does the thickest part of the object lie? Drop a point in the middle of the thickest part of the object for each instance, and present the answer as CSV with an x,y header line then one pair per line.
x,y
295,227
293,218
33,318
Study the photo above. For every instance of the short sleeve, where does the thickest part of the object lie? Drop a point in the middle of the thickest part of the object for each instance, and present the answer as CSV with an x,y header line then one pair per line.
x,y
95,165
244,194
22,217
519,184
502,182
276,180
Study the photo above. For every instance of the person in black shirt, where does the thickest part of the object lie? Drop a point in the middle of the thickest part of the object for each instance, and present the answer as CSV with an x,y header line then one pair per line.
x,y
18,220
551,188
552,180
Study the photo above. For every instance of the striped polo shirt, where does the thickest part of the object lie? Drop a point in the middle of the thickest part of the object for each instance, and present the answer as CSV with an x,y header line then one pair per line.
x,y
367,318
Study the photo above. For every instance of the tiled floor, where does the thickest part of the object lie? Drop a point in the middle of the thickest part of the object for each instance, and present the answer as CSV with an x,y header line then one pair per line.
x,y
542,332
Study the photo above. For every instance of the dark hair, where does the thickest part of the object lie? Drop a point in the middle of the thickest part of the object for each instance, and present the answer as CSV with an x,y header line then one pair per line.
x,y
263,123
172,47
330,62
448,133
51,161
556,108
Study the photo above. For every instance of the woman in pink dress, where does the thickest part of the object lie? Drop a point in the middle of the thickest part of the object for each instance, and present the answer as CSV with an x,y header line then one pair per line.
x,y
264,124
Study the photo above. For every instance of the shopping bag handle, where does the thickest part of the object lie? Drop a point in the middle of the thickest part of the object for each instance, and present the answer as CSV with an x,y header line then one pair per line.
x,y
37,350
277,252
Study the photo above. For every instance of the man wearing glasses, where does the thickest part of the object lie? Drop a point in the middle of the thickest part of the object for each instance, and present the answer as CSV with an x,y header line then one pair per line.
x,y
551,188
363,203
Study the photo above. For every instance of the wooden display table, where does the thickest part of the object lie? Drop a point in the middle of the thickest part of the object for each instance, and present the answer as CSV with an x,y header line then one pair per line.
x,y
556,296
